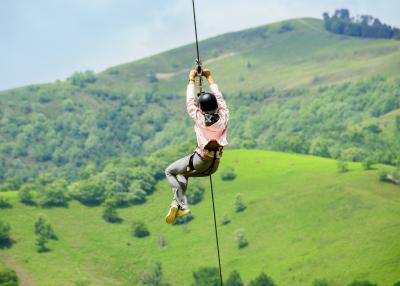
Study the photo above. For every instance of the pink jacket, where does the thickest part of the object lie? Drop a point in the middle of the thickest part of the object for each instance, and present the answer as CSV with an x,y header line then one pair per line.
x,y
217,131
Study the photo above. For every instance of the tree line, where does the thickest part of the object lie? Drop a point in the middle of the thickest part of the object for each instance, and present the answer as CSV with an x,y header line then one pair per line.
x,y
364,26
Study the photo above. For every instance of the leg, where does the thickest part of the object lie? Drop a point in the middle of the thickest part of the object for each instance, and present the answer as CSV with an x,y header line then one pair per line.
x,y
175,174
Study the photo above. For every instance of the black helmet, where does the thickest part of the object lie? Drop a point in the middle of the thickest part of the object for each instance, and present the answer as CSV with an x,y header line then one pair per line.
x,y
208,102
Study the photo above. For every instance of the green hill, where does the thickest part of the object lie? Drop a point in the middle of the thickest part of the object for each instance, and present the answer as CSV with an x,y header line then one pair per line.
x,y
291,86
304,221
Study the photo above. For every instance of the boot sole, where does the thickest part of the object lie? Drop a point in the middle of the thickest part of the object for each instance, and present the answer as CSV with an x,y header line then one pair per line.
x,y
171,216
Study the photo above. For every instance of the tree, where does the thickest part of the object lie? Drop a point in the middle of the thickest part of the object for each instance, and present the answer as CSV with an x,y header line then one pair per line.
x,y
228,174
262,280
5,230
240,237
54,194
41,226
8,277
367,163
41,241
239,205
139,229
26,196
342,165
206,276
82,78
234,279
153,276
4,203
110,211
225,220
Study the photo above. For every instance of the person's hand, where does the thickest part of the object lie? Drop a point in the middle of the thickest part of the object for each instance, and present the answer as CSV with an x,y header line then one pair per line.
x,y
206,73
192,75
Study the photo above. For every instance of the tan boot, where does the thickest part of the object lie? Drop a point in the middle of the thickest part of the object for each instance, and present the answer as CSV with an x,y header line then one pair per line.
x,y
171,216
182,213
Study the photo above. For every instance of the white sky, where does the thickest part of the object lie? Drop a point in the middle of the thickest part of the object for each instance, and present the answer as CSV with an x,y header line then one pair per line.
x,y
45,40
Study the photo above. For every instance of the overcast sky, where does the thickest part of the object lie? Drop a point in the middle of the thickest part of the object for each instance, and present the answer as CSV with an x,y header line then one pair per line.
x,y
45,40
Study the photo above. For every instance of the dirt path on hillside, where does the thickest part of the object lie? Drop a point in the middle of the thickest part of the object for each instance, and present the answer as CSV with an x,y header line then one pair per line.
x,y
25,278
168,75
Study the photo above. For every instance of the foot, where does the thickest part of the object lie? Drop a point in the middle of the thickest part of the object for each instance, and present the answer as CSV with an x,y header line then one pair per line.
x,y
171,216
182,212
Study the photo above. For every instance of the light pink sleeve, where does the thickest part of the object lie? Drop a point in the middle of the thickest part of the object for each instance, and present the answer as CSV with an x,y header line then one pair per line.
x,y
222,108
191,104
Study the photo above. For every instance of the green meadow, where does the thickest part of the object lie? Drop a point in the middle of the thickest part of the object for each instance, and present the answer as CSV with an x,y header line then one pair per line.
x,y
304,221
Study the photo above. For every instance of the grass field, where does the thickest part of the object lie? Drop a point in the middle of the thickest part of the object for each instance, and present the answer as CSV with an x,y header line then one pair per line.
x,y
304,221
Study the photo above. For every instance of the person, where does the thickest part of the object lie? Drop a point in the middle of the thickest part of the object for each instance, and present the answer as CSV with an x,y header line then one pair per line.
x,y
210,115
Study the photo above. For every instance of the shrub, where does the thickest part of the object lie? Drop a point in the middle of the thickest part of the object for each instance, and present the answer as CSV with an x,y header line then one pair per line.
x,y
362,283
320,282
196,192
183,220
367,163
234,279
240,237
152,276
225,220
137,197
82,78
397,283
262,280
206,276
25,195
139,229
239,205
53,194
42,227
228,174
8,277
4,203
110,211
5,230
342,165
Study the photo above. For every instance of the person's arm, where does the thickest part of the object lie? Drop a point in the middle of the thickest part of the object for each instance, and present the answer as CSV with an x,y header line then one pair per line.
x,y
222,108
191,102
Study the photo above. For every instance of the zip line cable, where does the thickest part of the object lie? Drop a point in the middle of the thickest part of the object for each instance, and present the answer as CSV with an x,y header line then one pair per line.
x,y
199,74
198,62
216,231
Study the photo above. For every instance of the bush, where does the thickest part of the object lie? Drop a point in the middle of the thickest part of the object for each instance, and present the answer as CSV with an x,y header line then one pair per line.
x,y
5,230
225,220
153,276
183,220
82,78
262,280
196,192
234,279
239,205
53,194
25,195
110,211
367,163
342,166
228,174
362,283
4,203
397,283
139,229
8,278
320,282
240,237
206,276
41,226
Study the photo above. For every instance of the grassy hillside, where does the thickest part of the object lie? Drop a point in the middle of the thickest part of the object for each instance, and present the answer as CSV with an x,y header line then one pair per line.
x,y
290,86
303,221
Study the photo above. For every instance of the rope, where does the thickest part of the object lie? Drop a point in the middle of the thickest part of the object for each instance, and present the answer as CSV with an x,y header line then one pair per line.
x,y
198,62
216,231
199,74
